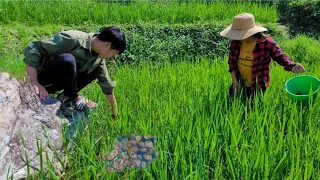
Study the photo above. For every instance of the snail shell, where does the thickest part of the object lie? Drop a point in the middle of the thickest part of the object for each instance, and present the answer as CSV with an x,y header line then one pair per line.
x,y
136,162
138,138
114,152
124,147
109,169
143,150
141,144
125,157
147,157
109,157
119,161
126,163
139,157
115,165
120,168
149,144
133,149
133,155
143,164
133,142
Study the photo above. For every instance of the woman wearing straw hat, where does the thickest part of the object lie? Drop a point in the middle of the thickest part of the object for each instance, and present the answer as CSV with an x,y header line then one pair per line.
x,y
250,53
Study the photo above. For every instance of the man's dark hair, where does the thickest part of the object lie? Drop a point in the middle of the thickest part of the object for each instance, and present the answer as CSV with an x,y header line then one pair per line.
x,y
114,35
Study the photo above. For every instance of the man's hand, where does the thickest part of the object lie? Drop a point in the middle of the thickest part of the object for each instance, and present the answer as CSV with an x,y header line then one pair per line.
x,y
298,68
40,91
114,112
114,106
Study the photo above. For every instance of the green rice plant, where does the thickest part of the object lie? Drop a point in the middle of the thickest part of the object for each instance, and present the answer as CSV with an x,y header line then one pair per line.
x,y
200,135
98,12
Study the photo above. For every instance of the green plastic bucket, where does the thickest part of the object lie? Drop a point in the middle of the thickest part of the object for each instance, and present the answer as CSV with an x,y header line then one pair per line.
x,y
303,88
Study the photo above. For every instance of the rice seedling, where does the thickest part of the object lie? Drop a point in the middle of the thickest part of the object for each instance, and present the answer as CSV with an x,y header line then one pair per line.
x,y
201,135
104,12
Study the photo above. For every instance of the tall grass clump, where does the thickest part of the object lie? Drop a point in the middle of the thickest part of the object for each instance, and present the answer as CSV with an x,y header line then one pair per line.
x,y
103,12
304,49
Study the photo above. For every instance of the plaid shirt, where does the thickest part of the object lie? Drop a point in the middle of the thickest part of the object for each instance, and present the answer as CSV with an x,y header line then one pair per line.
x,y
265,49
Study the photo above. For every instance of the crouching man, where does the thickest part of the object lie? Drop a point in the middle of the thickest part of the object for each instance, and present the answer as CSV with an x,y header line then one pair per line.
x,y
70,60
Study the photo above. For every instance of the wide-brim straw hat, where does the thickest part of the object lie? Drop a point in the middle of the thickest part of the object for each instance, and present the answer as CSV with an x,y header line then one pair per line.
x,y
242,27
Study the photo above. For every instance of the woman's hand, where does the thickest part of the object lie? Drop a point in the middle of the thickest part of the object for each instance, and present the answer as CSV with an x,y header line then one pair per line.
x,y
235,86
298,68
235,83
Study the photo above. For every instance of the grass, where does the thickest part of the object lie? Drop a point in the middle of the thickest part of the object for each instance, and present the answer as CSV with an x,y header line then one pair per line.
x,y
99,12
201,136
185,104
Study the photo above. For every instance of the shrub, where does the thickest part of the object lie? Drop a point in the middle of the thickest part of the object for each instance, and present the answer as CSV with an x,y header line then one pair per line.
x,y
145,42
173,41
300,16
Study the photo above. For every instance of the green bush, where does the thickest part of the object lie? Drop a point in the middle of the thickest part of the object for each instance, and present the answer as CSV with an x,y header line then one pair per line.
x,y
302,17
173,41
145,42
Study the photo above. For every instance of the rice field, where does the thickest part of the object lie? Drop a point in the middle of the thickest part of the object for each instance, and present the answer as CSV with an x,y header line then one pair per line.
x,y
101,12
201,133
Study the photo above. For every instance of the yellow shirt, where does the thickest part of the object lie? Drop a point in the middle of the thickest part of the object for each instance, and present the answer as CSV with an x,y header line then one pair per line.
x,y
245,62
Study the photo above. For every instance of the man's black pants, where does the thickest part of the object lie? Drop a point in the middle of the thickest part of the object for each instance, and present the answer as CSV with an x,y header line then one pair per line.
x,y
61,74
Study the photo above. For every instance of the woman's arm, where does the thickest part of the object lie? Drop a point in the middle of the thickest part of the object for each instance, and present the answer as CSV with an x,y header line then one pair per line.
x,y
277,55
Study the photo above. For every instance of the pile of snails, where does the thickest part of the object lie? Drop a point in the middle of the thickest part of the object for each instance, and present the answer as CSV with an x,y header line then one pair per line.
x,y
131,152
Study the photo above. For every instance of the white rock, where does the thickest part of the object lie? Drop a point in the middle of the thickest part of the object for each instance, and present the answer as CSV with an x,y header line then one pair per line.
x,y
23,116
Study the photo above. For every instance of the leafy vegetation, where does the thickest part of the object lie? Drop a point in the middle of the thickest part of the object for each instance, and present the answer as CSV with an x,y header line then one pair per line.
x,y
301,16
147,42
